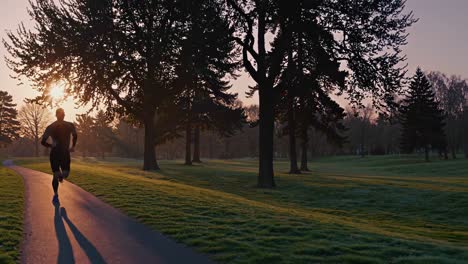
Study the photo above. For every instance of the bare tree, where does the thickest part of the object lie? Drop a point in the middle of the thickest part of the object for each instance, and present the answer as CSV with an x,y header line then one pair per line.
x,y
34,118
451,92
465,131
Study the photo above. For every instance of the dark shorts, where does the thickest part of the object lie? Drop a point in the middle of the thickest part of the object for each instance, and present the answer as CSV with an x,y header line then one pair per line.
x,y
59,160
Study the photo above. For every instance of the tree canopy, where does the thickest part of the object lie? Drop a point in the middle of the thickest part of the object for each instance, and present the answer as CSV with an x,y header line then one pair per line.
x,y
364,37
114,53
144,59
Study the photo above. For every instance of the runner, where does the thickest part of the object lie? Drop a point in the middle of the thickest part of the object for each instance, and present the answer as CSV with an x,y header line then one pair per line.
x,y
60,132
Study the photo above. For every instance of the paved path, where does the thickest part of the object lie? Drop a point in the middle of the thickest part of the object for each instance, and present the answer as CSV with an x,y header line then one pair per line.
x,y
84,229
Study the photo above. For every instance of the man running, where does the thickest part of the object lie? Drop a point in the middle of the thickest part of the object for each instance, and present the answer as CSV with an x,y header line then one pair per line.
x,y
60,132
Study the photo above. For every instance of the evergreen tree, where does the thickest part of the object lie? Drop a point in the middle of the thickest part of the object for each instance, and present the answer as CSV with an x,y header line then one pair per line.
x,y
9,125
103,133
319,111
128,139
311,74
422,119
84,126
207,57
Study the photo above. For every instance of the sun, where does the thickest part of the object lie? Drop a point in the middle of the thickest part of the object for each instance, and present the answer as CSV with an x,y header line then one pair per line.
x,y
57,92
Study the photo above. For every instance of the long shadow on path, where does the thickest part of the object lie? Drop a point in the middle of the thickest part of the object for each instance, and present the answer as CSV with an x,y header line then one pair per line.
x,y
65,254
103,234
65,249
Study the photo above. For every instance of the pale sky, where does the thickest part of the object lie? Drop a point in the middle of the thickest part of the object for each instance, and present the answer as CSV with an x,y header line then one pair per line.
x,y
439,41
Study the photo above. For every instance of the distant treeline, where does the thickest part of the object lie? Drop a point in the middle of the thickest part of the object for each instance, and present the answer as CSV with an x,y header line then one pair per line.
x,y
368,131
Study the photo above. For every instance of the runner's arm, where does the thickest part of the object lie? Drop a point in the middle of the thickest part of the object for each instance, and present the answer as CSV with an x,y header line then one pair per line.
x,y
74,135
45,137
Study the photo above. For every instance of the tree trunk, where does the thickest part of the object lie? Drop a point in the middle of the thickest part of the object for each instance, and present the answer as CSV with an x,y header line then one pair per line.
x,y
252,147
188,144
227,148
149,154
196,145
210,147
426,153
266,130
293,169
36,142
465,149
454,153
363,136
304,148
266,106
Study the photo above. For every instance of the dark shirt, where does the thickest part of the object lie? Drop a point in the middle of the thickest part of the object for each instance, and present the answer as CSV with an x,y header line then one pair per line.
x,y
60,132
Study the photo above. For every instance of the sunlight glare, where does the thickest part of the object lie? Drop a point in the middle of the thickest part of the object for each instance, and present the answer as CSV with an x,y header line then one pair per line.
x,y
57,92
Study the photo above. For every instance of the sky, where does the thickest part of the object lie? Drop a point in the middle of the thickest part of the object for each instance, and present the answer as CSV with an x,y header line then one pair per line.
x,y
437,42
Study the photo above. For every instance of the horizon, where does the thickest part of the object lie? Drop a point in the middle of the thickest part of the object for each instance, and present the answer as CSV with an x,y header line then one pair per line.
x,y
431,46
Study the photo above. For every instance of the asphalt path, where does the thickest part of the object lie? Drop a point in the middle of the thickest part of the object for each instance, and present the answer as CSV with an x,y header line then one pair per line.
x,y
84,229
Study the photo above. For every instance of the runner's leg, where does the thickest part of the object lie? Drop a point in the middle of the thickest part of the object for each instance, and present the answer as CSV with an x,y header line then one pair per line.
x,y
60,159
65,164
55,181
54,164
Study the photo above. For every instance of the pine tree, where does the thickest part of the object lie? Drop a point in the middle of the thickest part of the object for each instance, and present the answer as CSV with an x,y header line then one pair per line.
x,y
422,119
9,125
319,111
103,133
310,76
84,127
208,55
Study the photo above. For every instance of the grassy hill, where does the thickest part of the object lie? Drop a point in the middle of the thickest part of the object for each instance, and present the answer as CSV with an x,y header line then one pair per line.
x,y
346,210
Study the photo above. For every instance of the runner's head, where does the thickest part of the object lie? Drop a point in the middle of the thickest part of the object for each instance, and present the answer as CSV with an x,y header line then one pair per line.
x,y
60,114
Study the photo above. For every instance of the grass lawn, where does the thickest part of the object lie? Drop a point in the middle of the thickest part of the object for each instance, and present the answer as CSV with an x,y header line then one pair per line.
x,y
347,210
11,215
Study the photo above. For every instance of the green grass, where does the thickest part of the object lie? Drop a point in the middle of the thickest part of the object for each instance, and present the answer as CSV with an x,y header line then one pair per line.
x,y
347,210
11,215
